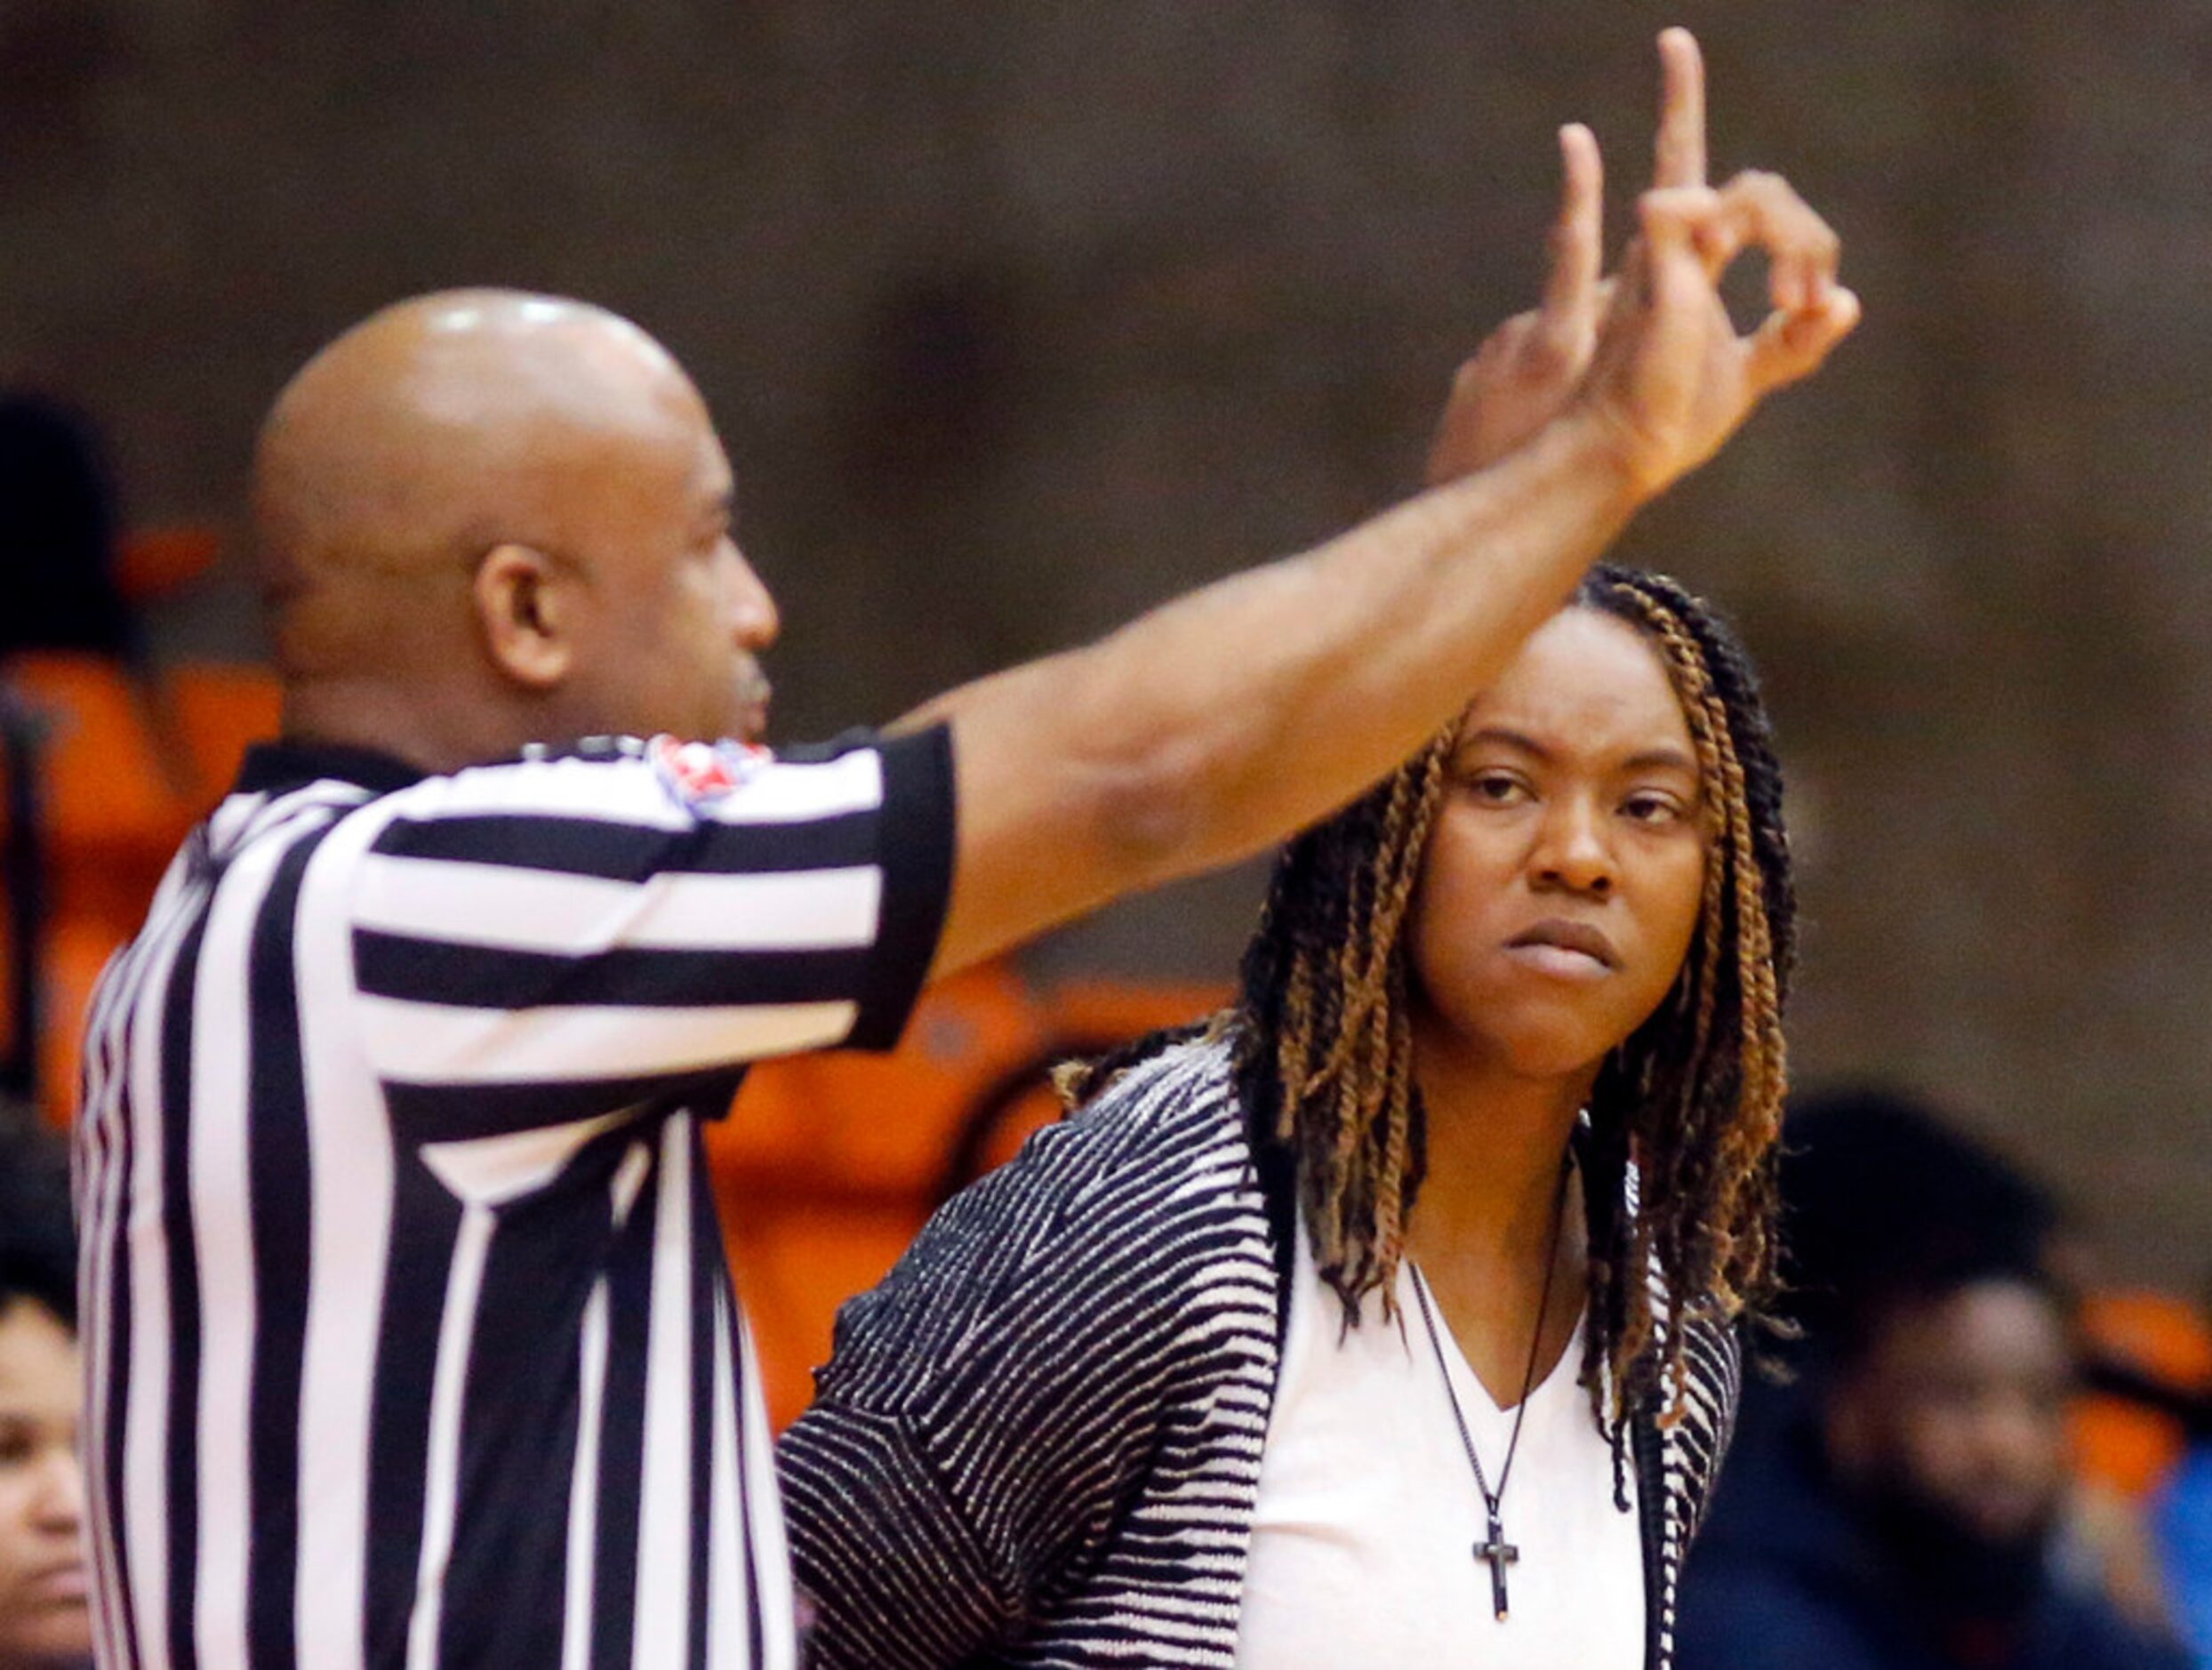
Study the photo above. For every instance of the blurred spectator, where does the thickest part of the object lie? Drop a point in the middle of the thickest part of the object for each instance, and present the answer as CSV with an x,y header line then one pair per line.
x,y
44,1620
1905,1506
1872,1183
58,585
1875,1185
58,591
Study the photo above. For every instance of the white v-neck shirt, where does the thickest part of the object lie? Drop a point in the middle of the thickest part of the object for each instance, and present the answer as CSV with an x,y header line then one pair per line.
x,y
1362,1547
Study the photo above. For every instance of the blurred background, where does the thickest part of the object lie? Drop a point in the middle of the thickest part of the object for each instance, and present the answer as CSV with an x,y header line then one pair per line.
x,y
1018,319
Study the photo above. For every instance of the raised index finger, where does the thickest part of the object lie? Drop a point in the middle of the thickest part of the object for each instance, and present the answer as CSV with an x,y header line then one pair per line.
x,y
1578,235
1679,153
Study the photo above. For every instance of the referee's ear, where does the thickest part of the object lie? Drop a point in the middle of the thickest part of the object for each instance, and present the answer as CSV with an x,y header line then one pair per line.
x,y
521,605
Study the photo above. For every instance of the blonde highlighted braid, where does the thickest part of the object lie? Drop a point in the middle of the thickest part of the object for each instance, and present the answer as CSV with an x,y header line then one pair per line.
x,y
1322,1031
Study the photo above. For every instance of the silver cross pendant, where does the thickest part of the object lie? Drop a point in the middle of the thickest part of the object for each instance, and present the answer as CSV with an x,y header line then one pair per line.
x,y
1500,1554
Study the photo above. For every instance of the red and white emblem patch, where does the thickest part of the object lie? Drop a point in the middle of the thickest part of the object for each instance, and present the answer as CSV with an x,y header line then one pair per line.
x,y
698,773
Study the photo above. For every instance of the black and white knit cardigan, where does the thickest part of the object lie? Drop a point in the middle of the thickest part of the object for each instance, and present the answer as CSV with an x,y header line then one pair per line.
x,y
1038,1442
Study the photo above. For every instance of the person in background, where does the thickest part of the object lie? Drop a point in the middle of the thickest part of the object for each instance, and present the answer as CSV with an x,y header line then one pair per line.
x,y
44,1620
1873,1182
1907,1507
59,588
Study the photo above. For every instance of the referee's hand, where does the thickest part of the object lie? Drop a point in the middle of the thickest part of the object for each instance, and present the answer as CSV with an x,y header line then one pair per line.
x,y
1670,380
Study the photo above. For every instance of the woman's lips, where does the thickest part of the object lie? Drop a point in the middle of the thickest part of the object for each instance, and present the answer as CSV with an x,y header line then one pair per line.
x,y
59,1583
1559,962
1570,951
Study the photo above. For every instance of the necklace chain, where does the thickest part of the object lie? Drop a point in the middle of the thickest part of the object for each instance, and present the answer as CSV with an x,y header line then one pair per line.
x,y
1493,1499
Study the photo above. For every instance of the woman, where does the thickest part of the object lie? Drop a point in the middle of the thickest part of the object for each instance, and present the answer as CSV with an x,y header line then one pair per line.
x,y
45,1618
1392,1317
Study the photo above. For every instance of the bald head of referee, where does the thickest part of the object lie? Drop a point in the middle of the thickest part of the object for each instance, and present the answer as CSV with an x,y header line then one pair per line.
x,y
487,518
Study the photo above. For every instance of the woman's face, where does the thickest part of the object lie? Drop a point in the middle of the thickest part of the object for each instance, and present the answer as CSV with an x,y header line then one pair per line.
x,y
1566,869
44,1614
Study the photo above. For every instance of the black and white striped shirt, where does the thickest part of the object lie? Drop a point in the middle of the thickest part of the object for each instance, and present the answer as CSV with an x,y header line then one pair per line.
x,y
410,1338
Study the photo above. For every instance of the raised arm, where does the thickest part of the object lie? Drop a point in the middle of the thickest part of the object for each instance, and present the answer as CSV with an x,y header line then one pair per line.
x,y
1235,715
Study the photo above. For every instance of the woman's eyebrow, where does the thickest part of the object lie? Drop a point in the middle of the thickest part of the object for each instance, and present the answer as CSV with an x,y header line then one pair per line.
x,y
1664,758
1660,759
1499,734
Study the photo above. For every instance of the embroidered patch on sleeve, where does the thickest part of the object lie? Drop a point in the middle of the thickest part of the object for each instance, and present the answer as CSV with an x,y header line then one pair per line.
x,y
698,774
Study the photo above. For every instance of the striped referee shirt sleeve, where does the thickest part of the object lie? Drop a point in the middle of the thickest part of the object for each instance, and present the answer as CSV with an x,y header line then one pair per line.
x,y
537,941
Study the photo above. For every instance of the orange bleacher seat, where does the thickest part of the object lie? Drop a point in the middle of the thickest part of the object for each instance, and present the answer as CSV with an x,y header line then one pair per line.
x,y
1122,1009
113,792
795,1264
152,563
221,710
115,802
869,1126
125,770
825,1165
1083,1018
2120,1444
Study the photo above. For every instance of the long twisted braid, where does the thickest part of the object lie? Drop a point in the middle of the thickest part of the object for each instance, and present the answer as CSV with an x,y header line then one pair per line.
x,y
1693,1099
1322,1030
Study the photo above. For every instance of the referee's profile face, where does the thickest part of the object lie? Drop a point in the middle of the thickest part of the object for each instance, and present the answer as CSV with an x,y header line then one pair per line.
x,y
489,518
684,619
646,617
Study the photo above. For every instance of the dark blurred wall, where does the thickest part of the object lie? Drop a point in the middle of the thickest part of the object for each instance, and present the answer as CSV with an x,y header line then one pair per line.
x,y
1018,318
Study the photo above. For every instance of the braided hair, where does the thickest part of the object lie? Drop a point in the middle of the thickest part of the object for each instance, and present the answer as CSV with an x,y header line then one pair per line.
x,y
1684,1113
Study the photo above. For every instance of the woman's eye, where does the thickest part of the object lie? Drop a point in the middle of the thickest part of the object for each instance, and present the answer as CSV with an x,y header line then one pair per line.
x,y
1652,808
1498,788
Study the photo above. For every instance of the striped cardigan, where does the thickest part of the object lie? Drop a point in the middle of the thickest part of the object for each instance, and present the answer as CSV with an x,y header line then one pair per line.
x,y
1038,1442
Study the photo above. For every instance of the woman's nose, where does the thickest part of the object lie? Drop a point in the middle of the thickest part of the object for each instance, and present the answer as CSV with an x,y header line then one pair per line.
x,y
1573,852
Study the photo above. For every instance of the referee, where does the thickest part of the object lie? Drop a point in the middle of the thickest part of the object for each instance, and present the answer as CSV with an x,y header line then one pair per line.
x,y
410,1340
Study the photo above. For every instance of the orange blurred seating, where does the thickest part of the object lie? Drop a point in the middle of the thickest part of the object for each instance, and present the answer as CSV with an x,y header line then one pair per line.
x,y
126,766
2121,1443
823,1169
76,950
113,794
152,563
829,1164
1085,1018
221,709
115,802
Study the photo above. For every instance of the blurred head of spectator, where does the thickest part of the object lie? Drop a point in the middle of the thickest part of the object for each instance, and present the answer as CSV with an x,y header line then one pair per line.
x,y
59,588
1908,1504
45,1622
1944,1422
1879,1189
